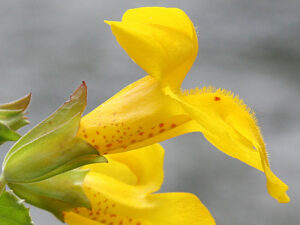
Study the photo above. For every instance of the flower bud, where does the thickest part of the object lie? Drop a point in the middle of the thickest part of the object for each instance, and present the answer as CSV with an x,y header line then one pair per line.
x,y
12,118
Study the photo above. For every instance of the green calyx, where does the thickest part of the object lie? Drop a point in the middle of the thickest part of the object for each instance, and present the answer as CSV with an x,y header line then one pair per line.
x,y
12,118
57,194
52,147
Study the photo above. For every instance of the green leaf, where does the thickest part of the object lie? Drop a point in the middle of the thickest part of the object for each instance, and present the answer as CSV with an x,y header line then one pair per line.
x,y
57,194
12,210
52,147
12,118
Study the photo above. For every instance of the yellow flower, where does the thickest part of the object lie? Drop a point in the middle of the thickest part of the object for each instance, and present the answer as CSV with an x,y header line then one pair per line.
x,y
164,43
120,194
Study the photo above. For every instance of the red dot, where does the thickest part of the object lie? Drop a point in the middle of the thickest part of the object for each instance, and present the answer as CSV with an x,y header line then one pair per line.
x,y
109,145
150,135
217,98
162,130
161,125
173,125
85,136
141,133
133,141
97,132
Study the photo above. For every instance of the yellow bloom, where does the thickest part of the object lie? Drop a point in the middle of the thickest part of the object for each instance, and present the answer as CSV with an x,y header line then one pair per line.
x,y
164,43
120,194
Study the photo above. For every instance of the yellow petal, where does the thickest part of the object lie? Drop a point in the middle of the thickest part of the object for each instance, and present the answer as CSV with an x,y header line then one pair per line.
x,y
139,115
229,125
162,41
142,168
117,201
163,209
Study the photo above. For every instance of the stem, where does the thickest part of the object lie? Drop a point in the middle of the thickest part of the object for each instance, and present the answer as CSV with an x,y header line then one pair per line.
x,y
2,183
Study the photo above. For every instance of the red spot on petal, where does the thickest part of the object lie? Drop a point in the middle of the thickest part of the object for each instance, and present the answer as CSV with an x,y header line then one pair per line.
x,y
173,125
93,140
121,222
109,145
161,125
133,141
113,215
97,132
150,135
85,136
162,130
141,133
217,98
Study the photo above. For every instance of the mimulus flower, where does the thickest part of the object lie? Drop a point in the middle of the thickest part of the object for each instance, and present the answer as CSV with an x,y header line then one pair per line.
x,y
120,194
163,41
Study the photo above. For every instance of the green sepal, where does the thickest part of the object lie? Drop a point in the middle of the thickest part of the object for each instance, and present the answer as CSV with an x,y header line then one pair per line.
x,y
12,118
7,134
52,147
12,210
57,194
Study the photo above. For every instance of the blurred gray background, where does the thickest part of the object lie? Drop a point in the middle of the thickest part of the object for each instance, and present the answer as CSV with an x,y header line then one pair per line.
x,y
251,47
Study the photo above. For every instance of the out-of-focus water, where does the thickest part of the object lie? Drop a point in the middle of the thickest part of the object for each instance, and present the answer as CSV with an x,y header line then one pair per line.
x,y
251,47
